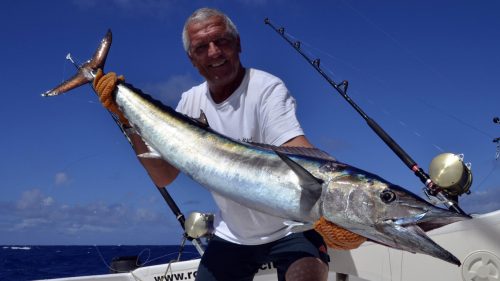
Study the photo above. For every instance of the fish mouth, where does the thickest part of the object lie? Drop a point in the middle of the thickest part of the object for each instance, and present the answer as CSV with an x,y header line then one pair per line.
x,y
428,220
411,232
403,221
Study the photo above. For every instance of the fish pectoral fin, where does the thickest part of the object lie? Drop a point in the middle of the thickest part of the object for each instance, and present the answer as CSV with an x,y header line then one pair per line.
x,y
311,185
150,155
306,178
297,227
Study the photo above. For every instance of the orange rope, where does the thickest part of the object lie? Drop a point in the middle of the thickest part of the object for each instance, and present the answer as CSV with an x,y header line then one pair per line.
x,y
105,86
337,237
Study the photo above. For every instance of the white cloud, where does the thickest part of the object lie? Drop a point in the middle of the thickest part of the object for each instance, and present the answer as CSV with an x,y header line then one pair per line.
x,y
29,223
31,199
35,212
48,201
170,91
61,178
481,201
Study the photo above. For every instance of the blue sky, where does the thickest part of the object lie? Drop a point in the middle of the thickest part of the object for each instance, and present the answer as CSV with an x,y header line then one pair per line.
x,y
427,71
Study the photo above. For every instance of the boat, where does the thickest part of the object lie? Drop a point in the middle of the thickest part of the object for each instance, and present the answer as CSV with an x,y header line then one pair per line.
x,y
475,242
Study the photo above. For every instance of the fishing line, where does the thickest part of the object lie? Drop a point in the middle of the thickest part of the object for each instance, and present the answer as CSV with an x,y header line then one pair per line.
x,y
102,258
378,107
382,107
334,58
169,267
412,54
460,121
63,74
150,260
401,266
420,60
390,263
493,168
401,122
77,64
310,54
138,260
394,40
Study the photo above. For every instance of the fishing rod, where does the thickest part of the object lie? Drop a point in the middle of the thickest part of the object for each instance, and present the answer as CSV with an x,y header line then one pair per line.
x,y
127,131
496,120
431,187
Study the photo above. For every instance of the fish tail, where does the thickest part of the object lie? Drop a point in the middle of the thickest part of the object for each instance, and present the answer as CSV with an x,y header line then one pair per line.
x,y
86,72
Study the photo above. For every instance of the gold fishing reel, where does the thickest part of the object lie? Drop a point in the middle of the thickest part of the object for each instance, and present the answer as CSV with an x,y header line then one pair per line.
x,y
199,225
449,172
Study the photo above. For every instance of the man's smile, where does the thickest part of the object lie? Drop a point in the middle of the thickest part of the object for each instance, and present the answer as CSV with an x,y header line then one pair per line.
x,y
218,63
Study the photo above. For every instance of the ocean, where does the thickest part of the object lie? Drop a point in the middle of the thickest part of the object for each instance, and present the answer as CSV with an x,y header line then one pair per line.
x,y
20,263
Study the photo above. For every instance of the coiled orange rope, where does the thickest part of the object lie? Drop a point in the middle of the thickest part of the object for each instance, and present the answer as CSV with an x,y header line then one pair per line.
x,y
337,237
105,85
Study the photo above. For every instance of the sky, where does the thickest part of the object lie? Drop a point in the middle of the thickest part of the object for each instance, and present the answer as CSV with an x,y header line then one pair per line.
x,y
427,71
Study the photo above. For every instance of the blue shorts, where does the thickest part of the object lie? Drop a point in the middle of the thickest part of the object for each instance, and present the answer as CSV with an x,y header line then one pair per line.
x,y
224,260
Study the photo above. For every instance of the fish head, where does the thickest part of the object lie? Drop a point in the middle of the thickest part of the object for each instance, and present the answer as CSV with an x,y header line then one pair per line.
x,y
385,213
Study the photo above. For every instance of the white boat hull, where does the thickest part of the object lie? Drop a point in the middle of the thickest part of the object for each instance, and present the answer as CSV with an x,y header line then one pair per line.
x,y
475,242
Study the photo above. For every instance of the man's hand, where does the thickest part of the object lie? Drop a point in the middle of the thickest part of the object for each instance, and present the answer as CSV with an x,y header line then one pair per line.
x,y
105,85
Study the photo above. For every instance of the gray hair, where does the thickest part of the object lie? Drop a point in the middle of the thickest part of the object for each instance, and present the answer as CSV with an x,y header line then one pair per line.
x,y
204,14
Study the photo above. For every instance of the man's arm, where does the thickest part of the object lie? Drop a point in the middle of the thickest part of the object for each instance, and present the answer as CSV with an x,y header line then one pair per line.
x,y
300,141
161,172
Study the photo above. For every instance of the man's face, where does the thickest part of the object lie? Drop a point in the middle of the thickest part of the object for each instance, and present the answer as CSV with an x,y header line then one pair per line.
x,y
213,51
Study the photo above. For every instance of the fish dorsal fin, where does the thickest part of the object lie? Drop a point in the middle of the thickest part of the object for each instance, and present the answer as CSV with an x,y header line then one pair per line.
x,y
202,119
295,150
312,186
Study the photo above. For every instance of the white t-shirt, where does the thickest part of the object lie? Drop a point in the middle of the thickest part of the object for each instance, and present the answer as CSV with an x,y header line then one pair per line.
x,y
261,110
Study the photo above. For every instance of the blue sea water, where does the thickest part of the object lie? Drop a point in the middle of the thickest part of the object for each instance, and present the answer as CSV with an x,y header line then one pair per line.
x,y
43,262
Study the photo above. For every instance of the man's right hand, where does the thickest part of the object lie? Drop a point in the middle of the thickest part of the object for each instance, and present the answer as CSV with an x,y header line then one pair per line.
x,y
104,86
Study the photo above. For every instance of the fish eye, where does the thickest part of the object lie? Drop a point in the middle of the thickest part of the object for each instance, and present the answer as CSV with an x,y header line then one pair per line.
x,y
388,196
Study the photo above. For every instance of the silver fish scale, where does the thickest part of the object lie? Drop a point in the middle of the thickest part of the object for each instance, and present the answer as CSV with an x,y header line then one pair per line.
x,y
222,165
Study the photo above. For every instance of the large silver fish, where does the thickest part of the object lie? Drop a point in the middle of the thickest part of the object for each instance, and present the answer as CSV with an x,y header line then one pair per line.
x,y
297,184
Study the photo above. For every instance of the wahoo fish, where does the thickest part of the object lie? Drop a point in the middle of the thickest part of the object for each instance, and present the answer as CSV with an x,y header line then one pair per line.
x,y
298,184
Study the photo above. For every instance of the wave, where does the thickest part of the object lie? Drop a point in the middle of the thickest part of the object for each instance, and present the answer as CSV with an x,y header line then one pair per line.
x,y
17,248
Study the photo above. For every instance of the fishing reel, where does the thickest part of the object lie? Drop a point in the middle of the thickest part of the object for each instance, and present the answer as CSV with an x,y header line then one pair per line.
x,y
199,225
451,174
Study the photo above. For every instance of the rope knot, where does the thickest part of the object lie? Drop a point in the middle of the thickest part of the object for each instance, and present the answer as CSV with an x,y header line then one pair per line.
x,y
105,85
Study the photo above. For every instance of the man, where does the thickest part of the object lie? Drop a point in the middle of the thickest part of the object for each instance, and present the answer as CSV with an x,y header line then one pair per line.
x,y
249,105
